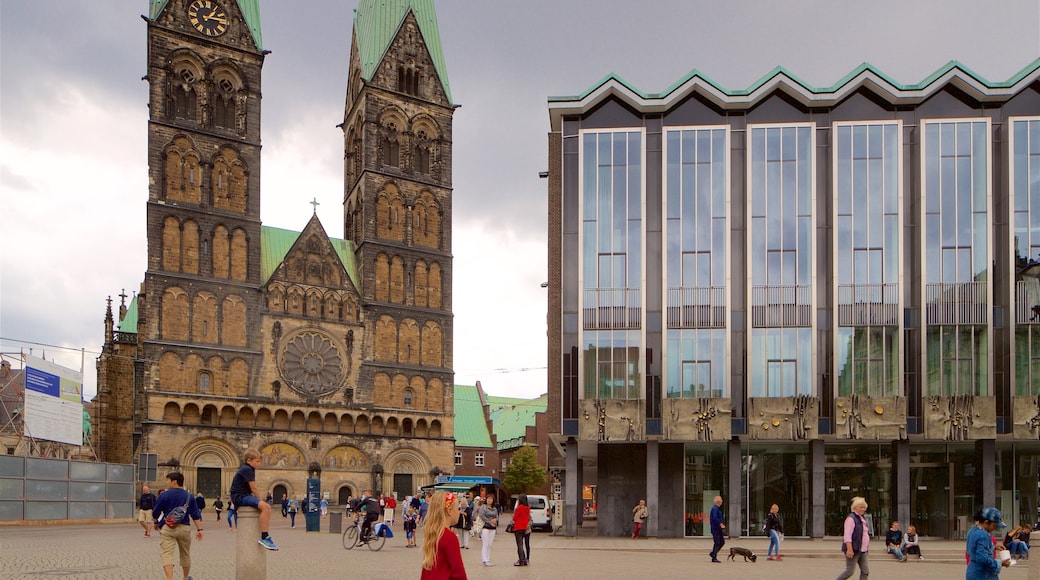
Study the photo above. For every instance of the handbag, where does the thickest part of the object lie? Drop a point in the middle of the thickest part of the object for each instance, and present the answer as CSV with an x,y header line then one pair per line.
x,y
509,528
478,525
177,514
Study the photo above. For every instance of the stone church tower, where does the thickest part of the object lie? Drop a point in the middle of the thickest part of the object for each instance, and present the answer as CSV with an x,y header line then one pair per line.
x,y
320,352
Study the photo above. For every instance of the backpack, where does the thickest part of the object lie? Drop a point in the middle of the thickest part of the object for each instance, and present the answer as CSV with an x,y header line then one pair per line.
x,y
177,514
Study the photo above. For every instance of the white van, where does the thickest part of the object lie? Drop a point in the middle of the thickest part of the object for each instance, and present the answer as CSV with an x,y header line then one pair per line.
x,y
541,512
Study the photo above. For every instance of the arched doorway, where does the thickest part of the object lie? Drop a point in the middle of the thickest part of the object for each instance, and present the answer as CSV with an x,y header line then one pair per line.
x,y
344,495
279,491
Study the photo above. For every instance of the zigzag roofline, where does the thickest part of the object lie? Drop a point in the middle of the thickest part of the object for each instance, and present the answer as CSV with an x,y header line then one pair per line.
x,y
866,75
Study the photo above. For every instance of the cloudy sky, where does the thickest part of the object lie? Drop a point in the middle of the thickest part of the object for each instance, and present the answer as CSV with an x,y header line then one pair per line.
x,y
73,120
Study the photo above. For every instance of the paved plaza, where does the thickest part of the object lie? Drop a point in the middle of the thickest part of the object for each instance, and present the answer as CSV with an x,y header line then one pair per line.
x,y
119,551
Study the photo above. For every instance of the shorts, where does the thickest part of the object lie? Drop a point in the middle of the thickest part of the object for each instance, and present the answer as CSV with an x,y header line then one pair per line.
x,y
173,541
145,516
249,501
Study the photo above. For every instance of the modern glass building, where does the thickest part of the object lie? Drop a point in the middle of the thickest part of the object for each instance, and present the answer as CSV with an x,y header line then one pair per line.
x,y
797,295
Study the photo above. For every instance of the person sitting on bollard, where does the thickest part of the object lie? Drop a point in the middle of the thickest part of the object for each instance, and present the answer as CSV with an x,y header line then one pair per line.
x,y
244,492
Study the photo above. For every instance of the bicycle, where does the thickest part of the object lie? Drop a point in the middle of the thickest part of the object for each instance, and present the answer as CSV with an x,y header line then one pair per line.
x,y
352,533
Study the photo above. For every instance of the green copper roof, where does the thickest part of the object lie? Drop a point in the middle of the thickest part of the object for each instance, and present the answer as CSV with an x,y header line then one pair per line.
x,y
250,11
952,73
510,422
376,23
275,243
470,425
129,322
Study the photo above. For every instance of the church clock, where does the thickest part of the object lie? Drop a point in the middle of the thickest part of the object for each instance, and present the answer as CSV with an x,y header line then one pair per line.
x,y
207,17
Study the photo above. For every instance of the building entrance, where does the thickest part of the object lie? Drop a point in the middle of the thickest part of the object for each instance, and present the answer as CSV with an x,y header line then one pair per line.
x,y
931,499
209,482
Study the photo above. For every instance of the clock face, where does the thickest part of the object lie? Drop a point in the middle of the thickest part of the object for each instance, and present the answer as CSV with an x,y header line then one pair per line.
x,y
207,17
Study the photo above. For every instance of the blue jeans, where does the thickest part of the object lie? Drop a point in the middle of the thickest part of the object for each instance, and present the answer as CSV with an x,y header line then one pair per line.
x,y
232,514
1019,548
896,552
774,543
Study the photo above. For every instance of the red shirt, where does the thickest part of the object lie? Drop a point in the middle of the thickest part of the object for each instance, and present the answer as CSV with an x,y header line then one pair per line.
x,y
521,517
449,560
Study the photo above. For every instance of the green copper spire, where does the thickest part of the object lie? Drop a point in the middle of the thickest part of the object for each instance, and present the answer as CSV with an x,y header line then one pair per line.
x,y
376,23
250,11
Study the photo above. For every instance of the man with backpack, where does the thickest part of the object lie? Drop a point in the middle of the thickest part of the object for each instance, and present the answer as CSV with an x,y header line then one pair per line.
x,y
174,510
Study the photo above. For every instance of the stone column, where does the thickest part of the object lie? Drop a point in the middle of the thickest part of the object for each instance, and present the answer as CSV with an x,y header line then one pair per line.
x,y
986,473
817,489
250,556
653,486
571,489
901,480
734,523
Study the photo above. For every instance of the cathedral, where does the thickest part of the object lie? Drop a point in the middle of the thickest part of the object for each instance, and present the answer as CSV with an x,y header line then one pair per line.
x,y
322,353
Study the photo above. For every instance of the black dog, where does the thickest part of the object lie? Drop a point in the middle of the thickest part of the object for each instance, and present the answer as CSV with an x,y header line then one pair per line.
x,y
738,551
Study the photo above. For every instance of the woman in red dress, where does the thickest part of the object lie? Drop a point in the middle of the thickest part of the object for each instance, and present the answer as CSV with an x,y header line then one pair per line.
x,y
442,557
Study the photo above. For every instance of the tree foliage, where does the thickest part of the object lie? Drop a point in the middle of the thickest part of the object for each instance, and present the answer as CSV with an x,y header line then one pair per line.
x,y
523,473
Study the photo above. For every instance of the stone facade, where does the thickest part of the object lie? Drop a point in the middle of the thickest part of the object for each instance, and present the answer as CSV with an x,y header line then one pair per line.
x,y
334,354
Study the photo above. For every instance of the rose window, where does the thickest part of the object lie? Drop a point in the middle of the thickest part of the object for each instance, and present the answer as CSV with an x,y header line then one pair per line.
x,y
312,364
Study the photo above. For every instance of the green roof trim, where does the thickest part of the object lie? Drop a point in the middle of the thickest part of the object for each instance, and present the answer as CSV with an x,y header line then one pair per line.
x,y
250,11
470,426
129,322
275,243
780,73
376,23
510,422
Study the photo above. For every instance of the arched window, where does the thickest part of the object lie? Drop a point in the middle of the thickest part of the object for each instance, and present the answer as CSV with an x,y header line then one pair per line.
x,y
390,145
205,378
408,397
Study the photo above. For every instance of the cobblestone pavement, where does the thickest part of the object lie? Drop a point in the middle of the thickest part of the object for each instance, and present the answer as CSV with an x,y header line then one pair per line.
x,y
119,551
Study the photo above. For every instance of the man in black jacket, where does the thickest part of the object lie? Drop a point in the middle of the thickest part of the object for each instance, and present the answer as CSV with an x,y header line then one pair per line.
x,y
144,510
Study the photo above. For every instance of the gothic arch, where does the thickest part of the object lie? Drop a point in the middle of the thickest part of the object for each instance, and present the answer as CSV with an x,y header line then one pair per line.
x,y
228,181
171,244
386,338
228,97
382,278
239,255
183,173
392,126
408,342
276,298
295,300
420,281
390,214
208,450
174,314
397,280
204,318
221,252
432,348
233,329
190,247
427,230
184,75
407,460
434,286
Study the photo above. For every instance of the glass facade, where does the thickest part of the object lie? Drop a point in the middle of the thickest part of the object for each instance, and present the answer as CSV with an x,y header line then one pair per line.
x,y
858,471
776,474
867,257
1025,191
611,263
695,268
780,260
956,234
705,476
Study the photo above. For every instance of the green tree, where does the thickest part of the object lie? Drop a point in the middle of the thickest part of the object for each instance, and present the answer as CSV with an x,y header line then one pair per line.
x,y
524,473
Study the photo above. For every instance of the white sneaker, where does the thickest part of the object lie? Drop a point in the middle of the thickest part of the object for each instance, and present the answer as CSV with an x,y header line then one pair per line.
x,y
488,564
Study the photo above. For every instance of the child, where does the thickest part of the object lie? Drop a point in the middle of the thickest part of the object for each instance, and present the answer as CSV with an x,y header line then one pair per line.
x,y
245,493
913,543
411,517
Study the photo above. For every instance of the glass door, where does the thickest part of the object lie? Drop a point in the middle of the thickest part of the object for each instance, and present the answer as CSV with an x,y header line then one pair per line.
x,y
930,502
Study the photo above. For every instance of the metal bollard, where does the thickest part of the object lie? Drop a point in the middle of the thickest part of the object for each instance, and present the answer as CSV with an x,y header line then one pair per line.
x,y
250,556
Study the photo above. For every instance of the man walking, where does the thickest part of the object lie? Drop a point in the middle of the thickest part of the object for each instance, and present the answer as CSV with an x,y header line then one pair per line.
x,y
175,535
718,528
145,505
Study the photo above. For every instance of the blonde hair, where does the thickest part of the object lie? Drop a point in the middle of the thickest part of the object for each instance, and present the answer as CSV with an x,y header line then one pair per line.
x,y
251,454
856,502
439,516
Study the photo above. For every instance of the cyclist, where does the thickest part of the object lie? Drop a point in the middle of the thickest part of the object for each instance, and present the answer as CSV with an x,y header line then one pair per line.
x,y
369,505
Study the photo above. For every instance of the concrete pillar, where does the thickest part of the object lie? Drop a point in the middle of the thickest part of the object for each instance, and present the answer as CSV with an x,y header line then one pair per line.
x,y
1034,563
571,489
817,489
734,524
250,556
986,473
901,481
653,486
